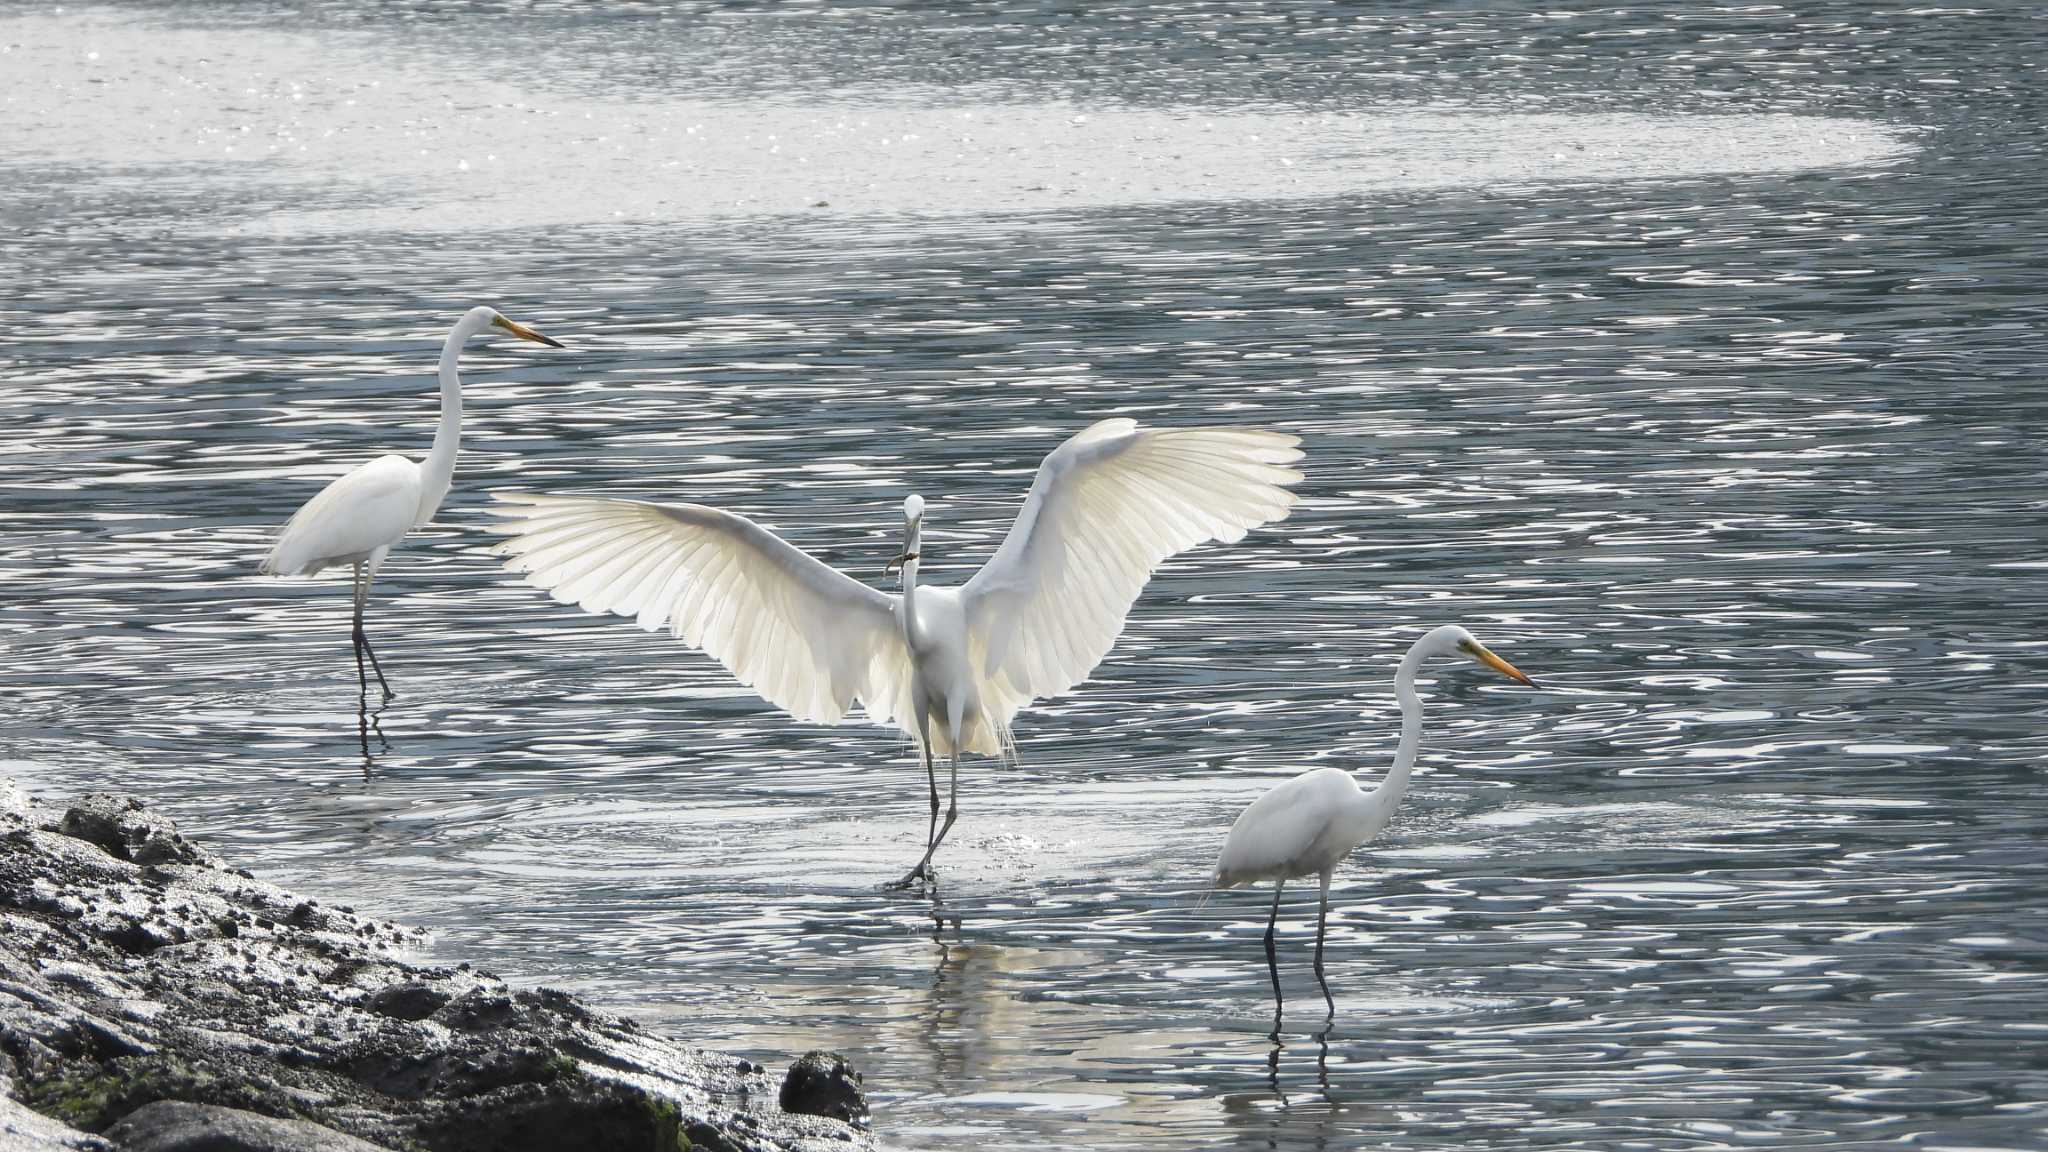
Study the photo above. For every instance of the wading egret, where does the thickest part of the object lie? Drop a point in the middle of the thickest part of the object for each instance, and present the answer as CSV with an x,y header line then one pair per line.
x,y
949,666
1308,825
356,519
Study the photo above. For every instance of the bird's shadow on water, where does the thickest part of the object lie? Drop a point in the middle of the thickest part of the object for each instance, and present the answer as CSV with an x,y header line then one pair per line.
x,y
942,917
1276,1045
1287,1110
368,722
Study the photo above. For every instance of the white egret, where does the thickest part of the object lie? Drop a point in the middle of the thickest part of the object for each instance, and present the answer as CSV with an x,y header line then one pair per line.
x,y
356,519
1308,825
949,666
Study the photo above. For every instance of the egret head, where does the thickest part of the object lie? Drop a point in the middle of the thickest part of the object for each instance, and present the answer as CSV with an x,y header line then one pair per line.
x,y
913,524
481,318
1451,640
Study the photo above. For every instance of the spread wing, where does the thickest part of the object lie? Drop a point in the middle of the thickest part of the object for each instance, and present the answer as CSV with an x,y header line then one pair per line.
x,y
810,639
1107,508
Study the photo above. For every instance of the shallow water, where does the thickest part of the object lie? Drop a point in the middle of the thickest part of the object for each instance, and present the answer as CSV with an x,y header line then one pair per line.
x,y
1690,359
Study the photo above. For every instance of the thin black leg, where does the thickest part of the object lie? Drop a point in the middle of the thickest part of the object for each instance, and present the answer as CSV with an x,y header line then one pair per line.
x,y
931,777
365,638
1272,958
1322,920
952,812
362,677
362,638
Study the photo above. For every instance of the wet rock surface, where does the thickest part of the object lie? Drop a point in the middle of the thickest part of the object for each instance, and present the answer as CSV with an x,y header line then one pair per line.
x,y
128,830
170,1126
135,970
24,1131
824,1084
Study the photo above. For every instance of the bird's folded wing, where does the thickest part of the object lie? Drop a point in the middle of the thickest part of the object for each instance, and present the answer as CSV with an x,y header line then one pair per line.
x,y
1106,508
371,507
810,639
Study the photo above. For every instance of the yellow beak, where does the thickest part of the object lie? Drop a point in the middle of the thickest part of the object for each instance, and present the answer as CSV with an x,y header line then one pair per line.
x,y
525,333
1485,656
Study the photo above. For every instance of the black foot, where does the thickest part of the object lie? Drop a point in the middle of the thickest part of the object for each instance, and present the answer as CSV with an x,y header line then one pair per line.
x,y
918,877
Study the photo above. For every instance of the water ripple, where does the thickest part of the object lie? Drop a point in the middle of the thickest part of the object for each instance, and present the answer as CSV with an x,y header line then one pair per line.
x,y
1742,465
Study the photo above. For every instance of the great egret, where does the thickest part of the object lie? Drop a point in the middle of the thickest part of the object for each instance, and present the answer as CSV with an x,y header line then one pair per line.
x,y
1311,823
356,519
949,666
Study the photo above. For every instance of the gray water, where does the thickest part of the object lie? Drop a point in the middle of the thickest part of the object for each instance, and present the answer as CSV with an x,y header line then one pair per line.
x,y
1688,356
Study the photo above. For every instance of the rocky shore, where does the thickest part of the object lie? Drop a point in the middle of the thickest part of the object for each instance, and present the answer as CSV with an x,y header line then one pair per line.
x,y
153,999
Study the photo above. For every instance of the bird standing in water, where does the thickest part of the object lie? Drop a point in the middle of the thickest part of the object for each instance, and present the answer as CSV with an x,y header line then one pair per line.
x,y
1308,825
359,517
949,666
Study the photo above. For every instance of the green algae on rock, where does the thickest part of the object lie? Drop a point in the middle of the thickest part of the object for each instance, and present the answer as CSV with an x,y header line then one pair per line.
x,y
135,969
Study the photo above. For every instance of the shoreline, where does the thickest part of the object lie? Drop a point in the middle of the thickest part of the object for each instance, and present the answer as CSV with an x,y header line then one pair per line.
x,y
148,989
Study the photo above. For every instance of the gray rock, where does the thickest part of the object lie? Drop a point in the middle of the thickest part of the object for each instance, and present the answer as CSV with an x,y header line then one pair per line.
x,y
133,970
129,831
23,1131
172,1126
411,1000
14,803
824,1084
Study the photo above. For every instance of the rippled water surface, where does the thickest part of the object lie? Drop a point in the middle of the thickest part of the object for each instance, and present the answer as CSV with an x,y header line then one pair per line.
x,y
1690,356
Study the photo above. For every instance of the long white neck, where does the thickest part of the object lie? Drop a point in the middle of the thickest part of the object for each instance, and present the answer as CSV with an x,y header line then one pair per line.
x,y
913,631
439,468
1396,780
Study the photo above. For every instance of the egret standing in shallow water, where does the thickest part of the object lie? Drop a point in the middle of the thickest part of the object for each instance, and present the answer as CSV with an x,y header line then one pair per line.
x,y
1308,825
356,519
949,666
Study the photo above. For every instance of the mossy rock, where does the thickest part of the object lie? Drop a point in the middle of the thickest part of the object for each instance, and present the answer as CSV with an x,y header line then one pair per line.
x,y
570,1112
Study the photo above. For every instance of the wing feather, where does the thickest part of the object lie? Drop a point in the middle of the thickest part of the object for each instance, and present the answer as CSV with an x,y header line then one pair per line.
x,y
808,638
647,557
1105,510
371,507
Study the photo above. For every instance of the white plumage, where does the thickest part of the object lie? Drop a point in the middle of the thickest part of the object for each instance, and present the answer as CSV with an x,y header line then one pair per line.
x,y
358,516
951,667
1303,827
357,519
1308,825
810,639
1106,508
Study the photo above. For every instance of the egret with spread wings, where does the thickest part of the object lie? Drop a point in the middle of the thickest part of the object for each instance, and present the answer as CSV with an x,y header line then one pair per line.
x,y
357,518
952,667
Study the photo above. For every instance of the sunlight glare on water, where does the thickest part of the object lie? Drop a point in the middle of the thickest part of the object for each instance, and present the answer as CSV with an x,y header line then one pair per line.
x,y
1689,357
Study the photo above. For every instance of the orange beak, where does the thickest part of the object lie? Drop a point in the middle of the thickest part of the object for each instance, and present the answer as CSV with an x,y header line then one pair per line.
x,y
525,333
1499,665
